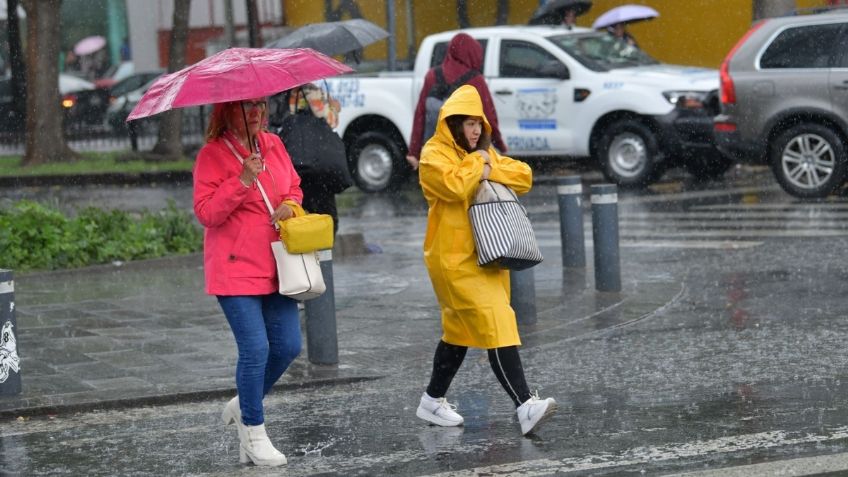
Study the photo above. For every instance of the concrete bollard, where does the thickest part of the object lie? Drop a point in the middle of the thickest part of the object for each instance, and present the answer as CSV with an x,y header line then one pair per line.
x,y
605,237
570,195
322,342
10,365
522,291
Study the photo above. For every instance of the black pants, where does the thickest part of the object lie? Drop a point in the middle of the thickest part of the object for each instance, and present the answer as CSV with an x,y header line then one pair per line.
x,y
505,363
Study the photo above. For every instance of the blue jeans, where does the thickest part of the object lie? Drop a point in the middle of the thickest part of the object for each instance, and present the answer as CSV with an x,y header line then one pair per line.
x,y
267,332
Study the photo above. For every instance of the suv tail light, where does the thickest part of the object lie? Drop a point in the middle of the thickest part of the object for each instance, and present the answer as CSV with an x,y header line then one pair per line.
x,y
728,91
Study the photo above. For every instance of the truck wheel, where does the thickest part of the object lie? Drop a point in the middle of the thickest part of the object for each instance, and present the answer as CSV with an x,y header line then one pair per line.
x,y
708,167
808,160
377,163
628,153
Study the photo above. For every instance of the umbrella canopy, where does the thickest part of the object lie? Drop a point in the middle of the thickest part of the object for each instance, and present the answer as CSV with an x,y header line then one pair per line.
x,y
89,45
551,12
332,38
625,14
236,74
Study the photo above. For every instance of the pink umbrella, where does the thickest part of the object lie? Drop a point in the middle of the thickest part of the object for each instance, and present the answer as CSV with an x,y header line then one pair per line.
x,y
236,74
89,45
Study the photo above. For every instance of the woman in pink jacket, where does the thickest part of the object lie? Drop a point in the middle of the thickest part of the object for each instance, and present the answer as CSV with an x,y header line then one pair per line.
x,y
238,263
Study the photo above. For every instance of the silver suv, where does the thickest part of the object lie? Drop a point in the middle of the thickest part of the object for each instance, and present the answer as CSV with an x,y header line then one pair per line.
x,y
784,101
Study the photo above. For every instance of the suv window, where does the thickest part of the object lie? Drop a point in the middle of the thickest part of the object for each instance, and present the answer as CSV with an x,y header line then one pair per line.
x,y
808,46
520,59
440,50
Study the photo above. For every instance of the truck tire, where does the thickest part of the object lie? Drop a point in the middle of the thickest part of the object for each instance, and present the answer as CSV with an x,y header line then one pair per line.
x,y
629,154
377,163
808,160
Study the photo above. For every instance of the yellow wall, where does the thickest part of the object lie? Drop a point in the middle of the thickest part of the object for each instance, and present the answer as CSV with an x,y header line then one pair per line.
x,y
688,32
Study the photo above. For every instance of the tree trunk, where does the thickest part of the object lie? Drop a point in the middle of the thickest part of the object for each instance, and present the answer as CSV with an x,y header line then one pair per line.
x,y
252,24
45,141
772,8
169,141
16,63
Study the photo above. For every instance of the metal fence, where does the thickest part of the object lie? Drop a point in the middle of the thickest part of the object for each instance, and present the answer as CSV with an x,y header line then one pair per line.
x,y
103,138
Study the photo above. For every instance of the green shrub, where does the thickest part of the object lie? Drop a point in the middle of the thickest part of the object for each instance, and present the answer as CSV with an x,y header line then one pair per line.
x,y
34,236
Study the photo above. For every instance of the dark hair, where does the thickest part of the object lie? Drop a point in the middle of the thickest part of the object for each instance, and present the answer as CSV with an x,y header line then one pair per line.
x,y
455,125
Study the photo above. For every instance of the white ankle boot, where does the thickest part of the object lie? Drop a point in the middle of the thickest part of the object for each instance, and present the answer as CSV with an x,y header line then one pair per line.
x,y
232,411
256,447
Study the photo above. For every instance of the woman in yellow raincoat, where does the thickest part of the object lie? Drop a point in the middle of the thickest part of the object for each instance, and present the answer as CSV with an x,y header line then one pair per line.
x,y
474,300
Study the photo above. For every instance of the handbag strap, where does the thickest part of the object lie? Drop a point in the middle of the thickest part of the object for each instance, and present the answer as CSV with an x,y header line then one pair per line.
x,y
256,181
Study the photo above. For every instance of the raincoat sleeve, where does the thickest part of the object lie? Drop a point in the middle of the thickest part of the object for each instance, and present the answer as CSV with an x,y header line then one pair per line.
x,y
216,195
448,179
416,140
514,174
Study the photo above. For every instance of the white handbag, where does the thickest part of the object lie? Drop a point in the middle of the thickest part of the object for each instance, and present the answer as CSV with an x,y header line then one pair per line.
x,y
299,274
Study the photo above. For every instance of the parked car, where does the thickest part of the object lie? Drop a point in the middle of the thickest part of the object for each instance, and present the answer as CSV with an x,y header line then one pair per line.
x,y
558,93
784,101
82,103
124,95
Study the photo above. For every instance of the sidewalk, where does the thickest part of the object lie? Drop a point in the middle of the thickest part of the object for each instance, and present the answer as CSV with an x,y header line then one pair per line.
x,y
145,333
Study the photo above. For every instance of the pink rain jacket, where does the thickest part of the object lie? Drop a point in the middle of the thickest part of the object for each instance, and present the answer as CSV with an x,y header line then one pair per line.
x,y
237,237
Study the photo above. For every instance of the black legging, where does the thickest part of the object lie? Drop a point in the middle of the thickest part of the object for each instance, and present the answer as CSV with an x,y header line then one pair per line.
x,y
505,363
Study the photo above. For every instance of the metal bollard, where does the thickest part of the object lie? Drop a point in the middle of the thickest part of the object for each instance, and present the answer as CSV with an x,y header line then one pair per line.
x,y
570,195
605,237
522,291
10,365
321,337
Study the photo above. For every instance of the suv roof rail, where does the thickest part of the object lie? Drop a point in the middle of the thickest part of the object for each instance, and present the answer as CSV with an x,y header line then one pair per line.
x,y
816,10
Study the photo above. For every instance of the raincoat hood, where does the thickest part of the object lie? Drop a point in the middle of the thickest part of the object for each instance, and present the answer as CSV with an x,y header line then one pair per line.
x,y
464,101
464,53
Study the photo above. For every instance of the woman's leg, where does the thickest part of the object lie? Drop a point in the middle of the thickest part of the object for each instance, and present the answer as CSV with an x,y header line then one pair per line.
x,y
507,367
244,314
446,363
282,324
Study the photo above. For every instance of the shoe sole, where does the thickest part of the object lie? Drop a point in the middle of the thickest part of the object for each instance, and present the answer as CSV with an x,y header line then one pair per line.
x,y
429,417
548,413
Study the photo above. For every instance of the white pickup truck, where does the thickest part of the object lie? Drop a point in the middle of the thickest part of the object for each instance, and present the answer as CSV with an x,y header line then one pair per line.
x,y
558,93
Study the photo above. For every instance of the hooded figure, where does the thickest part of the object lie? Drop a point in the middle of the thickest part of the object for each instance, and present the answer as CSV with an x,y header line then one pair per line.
x,y
464,54
474,300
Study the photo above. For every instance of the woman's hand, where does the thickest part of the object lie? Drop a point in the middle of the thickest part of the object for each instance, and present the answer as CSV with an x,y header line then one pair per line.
x,y
487,169
413,161
283,212
250,169
485,155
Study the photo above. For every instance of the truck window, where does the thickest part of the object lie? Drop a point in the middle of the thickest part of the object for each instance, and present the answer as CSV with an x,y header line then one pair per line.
x,y
441,49
601,51
520,59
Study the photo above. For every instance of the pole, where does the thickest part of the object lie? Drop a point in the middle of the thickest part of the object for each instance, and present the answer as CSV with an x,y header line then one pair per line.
x,y
605,237
570,196
391,26
322,343
229,23
10,370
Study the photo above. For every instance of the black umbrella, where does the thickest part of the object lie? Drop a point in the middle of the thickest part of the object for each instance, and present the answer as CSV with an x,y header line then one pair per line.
x,y
332,38
551,13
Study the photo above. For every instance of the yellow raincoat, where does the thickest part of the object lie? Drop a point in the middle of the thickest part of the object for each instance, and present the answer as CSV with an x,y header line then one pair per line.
x,y
474,300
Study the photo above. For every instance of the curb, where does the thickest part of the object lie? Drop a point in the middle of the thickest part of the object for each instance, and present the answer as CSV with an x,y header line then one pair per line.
x,y
141,178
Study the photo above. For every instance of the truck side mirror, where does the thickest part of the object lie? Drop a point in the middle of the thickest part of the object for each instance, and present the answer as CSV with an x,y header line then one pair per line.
x,y
554,69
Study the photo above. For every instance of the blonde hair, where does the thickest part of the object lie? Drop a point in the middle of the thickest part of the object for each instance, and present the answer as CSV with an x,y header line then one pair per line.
x,y
218,123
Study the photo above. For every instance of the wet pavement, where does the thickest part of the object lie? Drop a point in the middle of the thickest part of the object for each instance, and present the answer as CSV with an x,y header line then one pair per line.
x,y
725,348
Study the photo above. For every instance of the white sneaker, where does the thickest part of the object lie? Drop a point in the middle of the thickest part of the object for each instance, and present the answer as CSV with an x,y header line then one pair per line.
x,y
438,411
534,412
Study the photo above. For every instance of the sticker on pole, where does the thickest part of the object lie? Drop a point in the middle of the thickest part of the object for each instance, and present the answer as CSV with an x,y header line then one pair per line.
x,y
8,352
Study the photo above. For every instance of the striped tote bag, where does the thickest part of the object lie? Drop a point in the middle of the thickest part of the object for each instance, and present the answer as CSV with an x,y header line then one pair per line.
x,y
502,231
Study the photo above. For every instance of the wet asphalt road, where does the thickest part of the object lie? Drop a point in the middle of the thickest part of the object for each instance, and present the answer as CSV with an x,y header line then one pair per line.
x,y
745,367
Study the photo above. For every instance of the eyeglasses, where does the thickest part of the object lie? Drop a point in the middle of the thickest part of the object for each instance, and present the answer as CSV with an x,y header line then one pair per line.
x,y
248,105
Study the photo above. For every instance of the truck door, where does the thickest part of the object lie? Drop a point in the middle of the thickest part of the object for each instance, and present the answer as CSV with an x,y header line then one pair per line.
x,y
530,95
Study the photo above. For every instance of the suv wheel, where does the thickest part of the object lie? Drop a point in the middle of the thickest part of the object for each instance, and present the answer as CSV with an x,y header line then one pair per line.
x,y
377,163
808,160
628,153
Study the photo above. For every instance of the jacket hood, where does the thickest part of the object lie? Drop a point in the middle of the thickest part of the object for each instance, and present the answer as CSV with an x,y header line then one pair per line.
x,y
464,53
464,101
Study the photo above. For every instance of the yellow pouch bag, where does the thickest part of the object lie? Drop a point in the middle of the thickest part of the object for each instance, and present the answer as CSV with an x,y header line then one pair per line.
x,y
307,233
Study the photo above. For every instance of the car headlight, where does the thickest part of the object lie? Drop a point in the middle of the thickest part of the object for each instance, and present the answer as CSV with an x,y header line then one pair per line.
x,y
686,99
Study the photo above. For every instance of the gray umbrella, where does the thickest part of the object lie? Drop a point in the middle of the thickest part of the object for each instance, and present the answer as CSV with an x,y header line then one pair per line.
x,y
552,11
332,38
